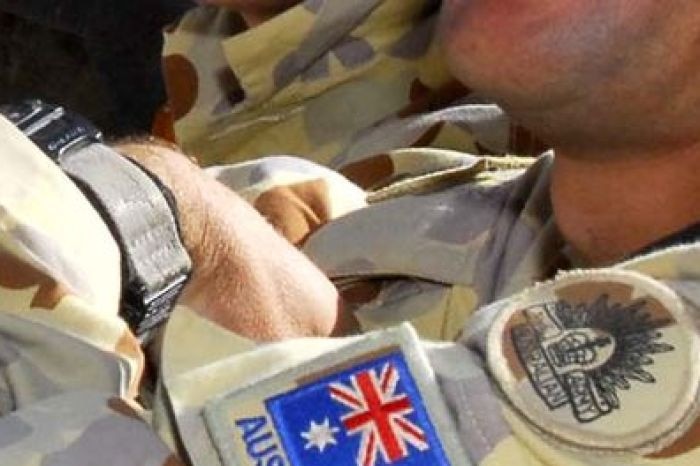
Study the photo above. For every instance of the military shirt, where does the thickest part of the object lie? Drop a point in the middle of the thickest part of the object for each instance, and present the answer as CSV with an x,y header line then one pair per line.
x,y
333,81
446,241
508,360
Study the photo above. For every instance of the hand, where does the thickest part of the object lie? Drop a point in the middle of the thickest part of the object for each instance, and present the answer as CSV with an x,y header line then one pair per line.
x,y
245,277
254,12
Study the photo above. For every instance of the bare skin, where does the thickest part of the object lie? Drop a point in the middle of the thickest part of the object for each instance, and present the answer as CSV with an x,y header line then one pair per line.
x,y
246,277
611,85
611,208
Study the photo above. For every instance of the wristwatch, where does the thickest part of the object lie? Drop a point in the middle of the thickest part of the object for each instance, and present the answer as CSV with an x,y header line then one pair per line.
x,y
138,209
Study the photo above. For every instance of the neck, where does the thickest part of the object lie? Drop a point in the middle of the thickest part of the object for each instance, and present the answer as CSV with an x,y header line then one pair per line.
x,y
610,207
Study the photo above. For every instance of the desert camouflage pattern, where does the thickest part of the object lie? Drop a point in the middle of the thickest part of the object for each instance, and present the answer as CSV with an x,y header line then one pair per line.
x,y
332,81
450,249
71,370
444,240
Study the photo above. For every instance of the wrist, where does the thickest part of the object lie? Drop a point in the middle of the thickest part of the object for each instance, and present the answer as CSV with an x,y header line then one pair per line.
x,y
180,176
245,276
139,211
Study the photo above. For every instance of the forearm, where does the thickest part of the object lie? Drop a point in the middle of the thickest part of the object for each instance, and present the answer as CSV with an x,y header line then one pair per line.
x,y
246,277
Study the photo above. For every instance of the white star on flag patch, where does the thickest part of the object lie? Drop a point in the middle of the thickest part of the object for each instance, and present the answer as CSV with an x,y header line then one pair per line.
x,y
320,435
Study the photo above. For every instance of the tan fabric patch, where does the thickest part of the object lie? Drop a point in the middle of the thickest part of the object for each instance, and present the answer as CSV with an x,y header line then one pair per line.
x,y
360,293
129,346
163,125
173,461
182,83
601,360
371,172
424,99
122,407
430,135
296,210
685,444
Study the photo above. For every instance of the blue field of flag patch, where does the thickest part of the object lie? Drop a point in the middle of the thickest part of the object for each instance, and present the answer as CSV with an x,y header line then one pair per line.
x,y
370,414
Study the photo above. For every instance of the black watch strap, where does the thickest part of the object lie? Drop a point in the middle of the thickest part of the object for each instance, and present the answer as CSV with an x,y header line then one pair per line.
x,y
141,217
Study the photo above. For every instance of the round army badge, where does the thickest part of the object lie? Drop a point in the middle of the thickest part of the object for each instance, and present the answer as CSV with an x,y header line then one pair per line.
x,y
604,360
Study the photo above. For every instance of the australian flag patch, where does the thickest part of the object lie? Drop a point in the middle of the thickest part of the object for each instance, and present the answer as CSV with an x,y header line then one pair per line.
x,y
368,412
368,415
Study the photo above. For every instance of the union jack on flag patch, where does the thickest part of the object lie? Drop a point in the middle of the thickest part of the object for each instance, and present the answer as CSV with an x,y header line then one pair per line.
x,y
380,415
371,414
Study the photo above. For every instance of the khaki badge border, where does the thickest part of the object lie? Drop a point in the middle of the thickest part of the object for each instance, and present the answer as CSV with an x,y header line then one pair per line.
x,y
535,305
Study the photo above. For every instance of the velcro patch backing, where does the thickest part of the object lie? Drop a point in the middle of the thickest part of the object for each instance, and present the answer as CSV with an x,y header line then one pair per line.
x,y
602,360
372,402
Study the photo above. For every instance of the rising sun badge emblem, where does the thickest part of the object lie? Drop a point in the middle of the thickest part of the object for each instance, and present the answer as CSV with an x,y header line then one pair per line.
x,y
582,354
604,359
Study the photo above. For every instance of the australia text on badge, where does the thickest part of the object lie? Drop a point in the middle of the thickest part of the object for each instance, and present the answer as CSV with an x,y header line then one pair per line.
x,y
371,403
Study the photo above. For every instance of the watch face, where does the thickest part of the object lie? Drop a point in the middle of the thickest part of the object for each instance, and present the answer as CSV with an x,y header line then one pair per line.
x,y
52,128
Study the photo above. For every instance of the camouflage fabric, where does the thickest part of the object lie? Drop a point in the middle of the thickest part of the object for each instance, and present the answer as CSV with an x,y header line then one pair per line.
x,y
70,369
466,249
531,366
331,80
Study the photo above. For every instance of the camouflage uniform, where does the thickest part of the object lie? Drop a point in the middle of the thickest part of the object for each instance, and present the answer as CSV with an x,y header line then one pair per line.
x,y
70,368
588,367
331,81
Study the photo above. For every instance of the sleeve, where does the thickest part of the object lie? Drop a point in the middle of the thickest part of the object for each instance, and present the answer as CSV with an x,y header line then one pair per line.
x,y
592,368
60,333
424,243
81,428
296,196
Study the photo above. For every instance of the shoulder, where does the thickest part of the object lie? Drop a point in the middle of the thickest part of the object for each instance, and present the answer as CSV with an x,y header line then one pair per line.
x,y
577,356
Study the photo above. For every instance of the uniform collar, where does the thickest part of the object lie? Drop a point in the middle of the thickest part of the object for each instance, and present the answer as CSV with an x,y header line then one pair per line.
x,y
684,236
318,44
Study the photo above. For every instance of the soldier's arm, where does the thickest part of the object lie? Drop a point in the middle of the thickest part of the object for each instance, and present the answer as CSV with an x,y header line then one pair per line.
x,y
69,366
65,353
246,276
